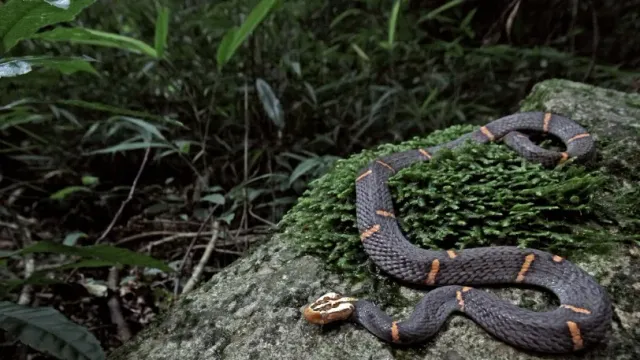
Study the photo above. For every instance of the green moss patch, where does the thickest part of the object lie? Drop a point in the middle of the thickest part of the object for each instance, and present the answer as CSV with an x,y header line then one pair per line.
x,y
476,195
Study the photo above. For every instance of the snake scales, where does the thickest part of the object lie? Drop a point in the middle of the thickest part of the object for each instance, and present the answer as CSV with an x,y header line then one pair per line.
x,y
584,314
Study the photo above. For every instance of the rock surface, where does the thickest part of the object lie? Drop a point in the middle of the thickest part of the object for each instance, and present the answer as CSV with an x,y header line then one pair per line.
x,y
251,310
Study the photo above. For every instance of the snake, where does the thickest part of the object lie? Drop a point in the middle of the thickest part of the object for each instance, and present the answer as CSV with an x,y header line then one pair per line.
x,y
584,314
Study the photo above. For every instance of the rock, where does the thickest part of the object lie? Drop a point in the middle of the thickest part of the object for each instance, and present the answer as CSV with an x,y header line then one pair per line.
x,y
252,309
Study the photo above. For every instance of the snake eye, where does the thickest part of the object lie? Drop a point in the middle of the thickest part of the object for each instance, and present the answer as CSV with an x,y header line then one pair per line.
x,y
328,308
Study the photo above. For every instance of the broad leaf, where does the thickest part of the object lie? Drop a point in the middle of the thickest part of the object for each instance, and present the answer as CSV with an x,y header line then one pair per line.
x,y
304,167
225,50
47,330
96,37
214,199
72,238
270,103
37,278
123,256
10,67
20,19
68,65
49,247
110,254
86,263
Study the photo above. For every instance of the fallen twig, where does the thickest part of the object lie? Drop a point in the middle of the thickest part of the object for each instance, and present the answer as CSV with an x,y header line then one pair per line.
x,y
197,271
29,264
176,283
124,333
27,290
257,230
269,223
218,250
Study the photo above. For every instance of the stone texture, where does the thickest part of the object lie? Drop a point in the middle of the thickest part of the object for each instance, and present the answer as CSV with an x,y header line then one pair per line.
x,y
251,310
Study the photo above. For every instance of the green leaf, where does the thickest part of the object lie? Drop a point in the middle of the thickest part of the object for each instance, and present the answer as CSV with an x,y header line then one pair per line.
x,y
72,238
10,67
63,193
303,168
37,278
236,36
393,21
86,263
162,31
270,103
90,180
123,256
144,125
47,330
96,37
110,254
67,66
18,117
50,247
20,19
228,217
214,199
360,52
116,110
433,13
225,50
183,145
128,147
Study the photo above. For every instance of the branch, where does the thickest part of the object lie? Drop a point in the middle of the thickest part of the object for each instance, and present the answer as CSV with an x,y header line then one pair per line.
x,y
197,272
129,197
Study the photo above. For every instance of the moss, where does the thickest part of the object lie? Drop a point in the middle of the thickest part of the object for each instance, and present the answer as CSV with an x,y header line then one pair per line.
x,y
476,195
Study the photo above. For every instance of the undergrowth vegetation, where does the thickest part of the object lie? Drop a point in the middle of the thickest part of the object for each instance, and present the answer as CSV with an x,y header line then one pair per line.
x,y
154,127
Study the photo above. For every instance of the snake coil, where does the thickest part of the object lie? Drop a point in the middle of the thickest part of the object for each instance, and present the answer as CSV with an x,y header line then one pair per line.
x,y
584,314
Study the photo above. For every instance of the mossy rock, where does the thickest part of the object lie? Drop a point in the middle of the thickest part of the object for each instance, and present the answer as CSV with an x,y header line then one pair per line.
x,y
476,195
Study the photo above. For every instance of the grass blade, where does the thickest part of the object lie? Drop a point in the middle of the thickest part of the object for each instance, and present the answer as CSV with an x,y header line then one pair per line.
x,y
236,36
128,147
440,9
96,37
393,22
162,31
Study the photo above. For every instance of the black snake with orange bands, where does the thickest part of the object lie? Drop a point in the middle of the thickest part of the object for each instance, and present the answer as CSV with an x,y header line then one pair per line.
x,y
584,314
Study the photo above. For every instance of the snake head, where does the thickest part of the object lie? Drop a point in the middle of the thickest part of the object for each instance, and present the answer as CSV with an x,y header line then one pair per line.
x,y
328,308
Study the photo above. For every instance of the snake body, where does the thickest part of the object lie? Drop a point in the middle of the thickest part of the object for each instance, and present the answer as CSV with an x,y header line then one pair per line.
x,y
584,314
